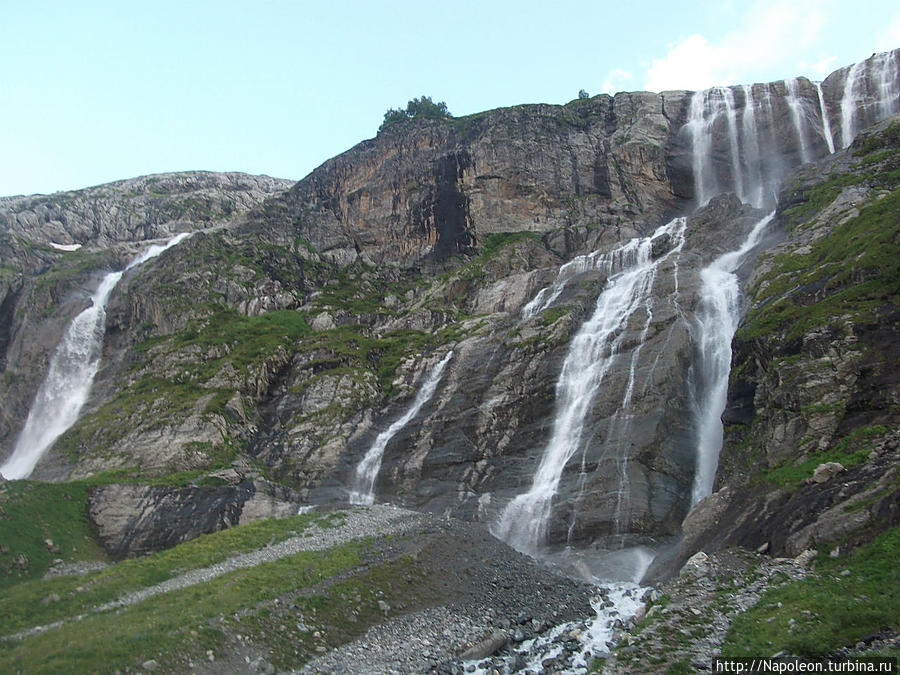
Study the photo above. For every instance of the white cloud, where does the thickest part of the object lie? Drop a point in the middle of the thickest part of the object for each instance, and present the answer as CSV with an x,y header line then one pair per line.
x,y
819,69
615,80
889,38
771,33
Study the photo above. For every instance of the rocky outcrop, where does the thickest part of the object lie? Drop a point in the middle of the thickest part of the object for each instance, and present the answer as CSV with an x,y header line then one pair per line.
x,y
136,519
621,165
136,209
436,188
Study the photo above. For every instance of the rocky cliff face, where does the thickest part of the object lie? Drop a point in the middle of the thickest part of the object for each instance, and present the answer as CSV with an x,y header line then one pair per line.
x,y
286,340
436,188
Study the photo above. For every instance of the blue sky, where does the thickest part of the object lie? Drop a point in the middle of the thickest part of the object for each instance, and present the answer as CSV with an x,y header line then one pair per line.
x,y
92,92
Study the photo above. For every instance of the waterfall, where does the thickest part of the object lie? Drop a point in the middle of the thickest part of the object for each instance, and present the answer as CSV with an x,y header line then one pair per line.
x,y
608,263
848,105
363,491
706,107
71,372
737,176
700,129
871,93
798,115
592,352
749,177
888,83
751,146
826,124
717,321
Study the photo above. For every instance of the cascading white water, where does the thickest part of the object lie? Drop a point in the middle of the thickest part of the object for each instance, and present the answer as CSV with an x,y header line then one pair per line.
x,y
888,69
871,93
594,349
608,263
363,491
751,147
706,107
717,321
826,123
750,161
70,375
848,104
737,175
798,116
700,128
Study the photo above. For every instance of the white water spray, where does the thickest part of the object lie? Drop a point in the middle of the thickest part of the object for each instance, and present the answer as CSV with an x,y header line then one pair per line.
x,y
609,263
363,491
70,375
826,123
704,109
798,116
848,105
750,136
523,523
888,69
717,322
737,175
871,93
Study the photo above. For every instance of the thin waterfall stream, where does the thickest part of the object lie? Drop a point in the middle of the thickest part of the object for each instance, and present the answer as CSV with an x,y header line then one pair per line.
x,y
798,116
70,374
363,490
826,123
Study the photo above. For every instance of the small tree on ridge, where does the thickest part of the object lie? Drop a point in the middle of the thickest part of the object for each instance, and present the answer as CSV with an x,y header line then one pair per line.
x,y
422,107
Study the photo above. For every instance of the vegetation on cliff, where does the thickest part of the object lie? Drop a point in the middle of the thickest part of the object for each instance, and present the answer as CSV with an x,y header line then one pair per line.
x,y
421,108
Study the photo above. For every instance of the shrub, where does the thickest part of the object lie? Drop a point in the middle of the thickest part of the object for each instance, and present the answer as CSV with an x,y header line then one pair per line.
x,y
422,107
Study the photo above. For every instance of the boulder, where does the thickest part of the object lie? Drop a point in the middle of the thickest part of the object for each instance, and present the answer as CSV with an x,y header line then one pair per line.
x,y
135,519
825,472
487,647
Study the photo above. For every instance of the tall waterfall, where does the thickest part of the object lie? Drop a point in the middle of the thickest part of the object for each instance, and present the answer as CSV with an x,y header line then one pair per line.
x,y
739,145
70,375
798,116
706,107
713,129
363,491
594,349
848,104
826,123
742,139
888,69
716,322
752,156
